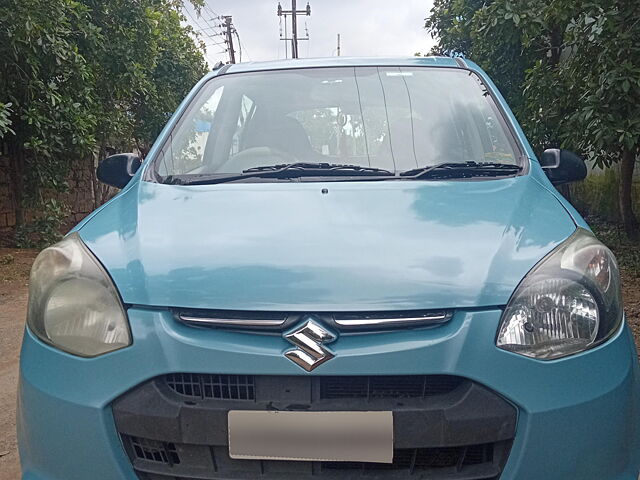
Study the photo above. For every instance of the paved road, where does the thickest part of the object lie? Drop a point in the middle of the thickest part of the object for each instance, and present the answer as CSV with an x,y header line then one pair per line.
x,y
14,279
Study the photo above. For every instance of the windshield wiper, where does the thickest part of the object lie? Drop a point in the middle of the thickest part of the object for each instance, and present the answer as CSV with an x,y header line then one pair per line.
x,y
286,170
470,169
306,166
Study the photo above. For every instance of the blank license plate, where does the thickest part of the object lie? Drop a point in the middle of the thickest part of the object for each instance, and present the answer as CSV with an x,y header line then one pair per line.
x,y
311,436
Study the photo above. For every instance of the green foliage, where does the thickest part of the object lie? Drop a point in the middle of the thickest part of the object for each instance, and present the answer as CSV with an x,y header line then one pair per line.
x,y
148,62
451,22
179,66
569,69
577,63
490,33
79,76
604,65
5,119
45,228
48,84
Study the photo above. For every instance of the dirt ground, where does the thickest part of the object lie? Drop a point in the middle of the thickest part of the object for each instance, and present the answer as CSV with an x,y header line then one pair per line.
x,y
14,279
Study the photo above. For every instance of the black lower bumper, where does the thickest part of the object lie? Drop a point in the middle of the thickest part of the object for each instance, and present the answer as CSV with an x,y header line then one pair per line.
x,y
444,427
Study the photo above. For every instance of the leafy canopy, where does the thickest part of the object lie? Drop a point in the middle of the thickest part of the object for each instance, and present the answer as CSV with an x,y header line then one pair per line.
x,y
570,70
78,76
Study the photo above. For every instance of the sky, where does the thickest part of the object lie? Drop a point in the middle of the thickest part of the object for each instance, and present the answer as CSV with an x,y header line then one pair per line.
x,y
366,28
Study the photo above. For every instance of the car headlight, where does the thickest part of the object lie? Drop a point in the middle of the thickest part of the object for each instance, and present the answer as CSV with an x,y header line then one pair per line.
x,y
73,305
568,303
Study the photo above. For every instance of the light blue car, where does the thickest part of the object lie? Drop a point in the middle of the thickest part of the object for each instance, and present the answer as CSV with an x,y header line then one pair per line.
x,y
332,269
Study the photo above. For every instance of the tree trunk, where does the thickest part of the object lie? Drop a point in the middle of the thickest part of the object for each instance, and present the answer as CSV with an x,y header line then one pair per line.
x,y
629,220
556,40
98,187
16,159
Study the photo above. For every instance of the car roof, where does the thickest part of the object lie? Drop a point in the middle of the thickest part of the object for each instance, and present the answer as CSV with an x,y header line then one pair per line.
x,y
346,62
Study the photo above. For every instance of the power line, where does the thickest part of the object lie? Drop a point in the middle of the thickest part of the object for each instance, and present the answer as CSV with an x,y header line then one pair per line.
x,y
227,29
203,36
213,33
239,47
186,10
207,7
223,47
213,26
242,48
203,30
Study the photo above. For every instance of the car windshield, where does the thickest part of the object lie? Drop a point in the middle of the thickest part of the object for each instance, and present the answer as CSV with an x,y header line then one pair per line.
x,y
392,118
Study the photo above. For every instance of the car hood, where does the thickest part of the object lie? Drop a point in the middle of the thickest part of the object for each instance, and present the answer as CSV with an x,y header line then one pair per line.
x,y
335,246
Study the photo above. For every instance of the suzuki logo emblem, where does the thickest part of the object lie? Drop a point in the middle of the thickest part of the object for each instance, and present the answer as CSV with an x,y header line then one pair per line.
x,y
309,338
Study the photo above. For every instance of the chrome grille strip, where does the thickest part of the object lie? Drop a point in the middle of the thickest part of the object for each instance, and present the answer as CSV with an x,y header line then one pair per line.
x,y
437,317
244,322
346,320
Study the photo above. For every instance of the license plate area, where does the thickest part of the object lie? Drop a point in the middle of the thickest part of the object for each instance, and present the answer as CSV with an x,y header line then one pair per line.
x,y
311,436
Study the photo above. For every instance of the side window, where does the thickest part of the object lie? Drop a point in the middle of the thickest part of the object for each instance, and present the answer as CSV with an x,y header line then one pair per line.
x,y
185,152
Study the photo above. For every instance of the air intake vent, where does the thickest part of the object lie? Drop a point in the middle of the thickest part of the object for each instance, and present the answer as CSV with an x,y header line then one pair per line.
x,y
208,386
154,451
409,386
417,459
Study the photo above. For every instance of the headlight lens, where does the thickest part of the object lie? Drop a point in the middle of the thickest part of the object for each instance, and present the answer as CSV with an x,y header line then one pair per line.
x,y
73,305
568,303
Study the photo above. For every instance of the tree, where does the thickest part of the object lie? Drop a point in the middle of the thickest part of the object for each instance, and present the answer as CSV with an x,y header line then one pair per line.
x,y
179,65
451,23
145,64
80,76
604,68
472,28
570,69
48,84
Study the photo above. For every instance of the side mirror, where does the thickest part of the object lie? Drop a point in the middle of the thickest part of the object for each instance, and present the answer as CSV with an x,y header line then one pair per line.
x,y
563,166
117,170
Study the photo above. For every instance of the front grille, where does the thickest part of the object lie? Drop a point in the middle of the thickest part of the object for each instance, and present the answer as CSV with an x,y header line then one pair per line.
x,y
175,427
405,386
218,387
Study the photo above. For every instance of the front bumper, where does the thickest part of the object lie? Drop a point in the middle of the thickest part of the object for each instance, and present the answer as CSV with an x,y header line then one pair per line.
x,y
578,417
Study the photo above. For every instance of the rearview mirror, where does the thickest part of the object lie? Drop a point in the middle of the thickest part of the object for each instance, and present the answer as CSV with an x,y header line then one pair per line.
x,y
117,170
562,166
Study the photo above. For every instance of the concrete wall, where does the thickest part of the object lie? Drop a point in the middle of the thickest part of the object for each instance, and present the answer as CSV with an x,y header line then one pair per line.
x,y
7,210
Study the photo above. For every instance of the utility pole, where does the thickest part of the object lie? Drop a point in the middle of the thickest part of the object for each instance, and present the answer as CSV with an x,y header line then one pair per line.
x,y
286,46
294,30
294,24
229,31
338,44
